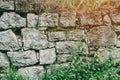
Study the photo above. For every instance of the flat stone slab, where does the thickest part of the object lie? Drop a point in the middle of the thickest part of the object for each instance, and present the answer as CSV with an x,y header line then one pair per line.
x,y
23,58
76,35
66,47
8,41
47,56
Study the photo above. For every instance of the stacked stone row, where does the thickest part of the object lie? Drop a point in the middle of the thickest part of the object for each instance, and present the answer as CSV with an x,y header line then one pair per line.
x,y
33,43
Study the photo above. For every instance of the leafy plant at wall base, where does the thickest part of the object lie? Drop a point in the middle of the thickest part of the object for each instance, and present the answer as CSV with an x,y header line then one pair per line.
x,y
80,69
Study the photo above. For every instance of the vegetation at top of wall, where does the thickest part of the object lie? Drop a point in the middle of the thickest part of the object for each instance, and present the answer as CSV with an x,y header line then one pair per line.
x,y
80,69
77,5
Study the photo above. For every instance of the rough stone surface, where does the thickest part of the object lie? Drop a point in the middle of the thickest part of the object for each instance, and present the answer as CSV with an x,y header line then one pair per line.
x,y
64,58
94,18
101,36
47,56
32,20
7,4
56,36
107,20
116,28
29,5
34,39
32,73
118,41
8,41
4,63
76,35
48,20
66,47
104,54
23,58
115,16
11,20
68,19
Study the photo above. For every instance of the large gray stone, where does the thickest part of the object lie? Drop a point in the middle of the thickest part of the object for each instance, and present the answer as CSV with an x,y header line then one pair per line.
x,y
8,41
29,5
56,36
32,73
4,63
47,56
32,20
94,18
34,39
101,36
11,20
7,4
48,20
115,16
64,58
23,58
66,47
68,19
76,35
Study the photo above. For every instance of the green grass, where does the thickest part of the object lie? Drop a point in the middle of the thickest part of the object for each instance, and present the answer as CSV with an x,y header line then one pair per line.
x,y
12,75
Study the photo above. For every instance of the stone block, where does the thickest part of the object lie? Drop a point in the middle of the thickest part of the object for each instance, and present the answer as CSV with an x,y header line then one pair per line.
x,y
56,36
7,4
32,20
11,20
68,19
22,58
34,39
47,56
48,20
8,41
101,36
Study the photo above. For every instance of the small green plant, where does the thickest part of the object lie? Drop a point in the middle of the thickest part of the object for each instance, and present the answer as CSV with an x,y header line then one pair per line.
x,y
12,75
80,69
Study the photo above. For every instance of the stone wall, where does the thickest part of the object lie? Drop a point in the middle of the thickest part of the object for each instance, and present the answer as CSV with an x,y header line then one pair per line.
x,y
33,42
